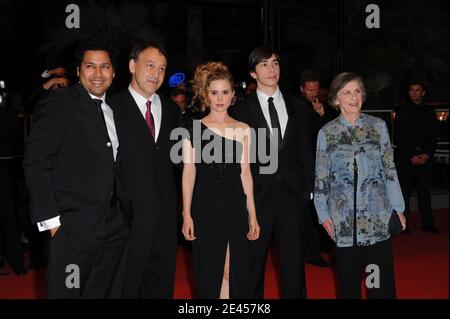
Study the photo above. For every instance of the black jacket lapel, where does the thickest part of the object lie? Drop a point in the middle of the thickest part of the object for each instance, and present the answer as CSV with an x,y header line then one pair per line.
x,y
258,114
94,125
290,104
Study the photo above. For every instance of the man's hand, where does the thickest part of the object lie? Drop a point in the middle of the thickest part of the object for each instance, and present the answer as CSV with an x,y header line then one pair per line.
x,y
420,159
318,107
415,160
54,83
423,158
59,71
53,231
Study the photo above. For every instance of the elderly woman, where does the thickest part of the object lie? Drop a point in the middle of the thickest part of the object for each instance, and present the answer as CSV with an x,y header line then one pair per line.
x,y
356,191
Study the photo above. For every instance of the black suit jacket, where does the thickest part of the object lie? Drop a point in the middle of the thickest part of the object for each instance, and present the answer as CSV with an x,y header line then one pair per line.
x,y
295,155
415,131
147,186
69,166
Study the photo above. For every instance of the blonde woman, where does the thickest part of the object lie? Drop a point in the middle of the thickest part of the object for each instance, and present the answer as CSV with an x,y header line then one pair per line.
x,y
218,208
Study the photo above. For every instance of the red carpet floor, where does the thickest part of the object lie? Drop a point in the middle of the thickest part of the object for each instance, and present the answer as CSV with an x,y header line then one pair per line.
x,y
421,264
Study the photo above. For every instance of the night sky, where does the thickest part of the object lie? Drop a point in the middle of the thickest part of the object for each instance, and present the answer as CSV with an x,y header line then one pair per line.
x,y
329,36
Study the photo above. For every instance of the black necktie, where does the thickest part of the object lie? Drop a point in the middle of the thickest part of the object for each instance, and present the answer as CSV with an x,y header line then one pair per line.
x,y
274,121
98,103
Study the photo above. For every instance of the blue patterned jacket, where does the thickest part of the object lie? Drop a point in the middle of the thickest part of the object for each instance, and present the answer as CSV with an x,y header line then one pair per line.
x,y
378,192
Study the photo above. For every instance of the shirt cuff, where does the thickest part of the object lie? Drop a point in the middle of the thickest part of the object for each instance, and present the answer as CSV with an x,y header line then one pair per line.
x,y
311,196
49,224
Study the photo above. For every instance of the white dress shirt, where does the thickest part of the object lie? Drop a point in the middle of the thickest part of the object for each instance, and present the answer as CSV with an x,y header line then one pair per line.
x,y
111,128
110,125
280,107
156,107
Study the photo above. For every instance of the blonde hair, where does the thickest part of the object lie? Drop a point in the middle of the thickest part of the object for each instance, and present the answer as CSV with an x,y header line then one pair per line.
x,y
204,75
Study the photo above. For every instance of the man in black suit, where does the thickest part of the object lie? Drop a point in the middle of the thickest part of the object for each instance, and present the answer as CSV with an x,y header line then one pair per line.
x,y
416,136
309,89
280,195
69,166
145,121
315,234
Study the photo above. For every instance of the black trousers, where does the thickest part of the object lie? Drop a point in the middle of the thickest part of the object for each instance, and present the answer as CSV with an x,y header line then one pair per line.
x,y
149,265
9,228
284,225
77,269
316,238
352,266
420,177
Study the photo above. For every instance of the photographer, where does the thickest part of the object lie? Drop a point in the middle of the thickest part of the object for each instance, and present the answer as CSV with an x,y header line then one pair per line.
x,y
50,80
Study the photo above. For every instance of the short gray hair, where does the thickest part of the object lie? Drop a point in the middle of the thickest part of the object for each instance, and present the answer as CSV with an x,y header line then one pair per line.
x,y
339,82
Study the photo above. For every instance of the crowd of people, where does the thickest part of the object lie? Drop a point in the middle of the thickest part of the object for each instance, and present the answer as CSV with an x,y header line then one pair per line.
x,y
309,174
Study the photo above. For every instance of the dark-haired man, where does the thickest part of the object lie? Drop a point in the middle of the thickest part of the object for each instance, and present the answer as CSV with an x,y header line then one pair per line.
x,y
281,196
145,121
315,235
309,89
416,136
179,97
69,165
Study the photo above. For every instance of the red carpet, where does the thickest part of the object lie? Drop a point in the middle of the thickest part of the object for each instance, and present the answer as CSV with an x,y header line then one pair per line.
x,y
421,264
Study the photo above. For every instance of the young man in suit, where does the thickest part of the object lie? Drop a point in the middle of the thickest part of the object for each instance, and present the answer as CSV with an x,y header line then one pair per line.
x,y
416,137
147,177
69,166
281,196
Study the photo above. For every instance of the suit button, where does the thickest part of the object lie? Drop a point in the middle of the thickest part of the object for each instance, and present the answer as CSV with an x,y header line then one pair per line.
x,y
108,144
158,170
157,147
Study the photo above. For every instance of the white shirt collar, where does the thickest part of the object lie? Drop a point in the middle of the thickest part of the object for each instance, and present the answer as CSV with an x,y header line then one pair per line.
x,y
98,98
139,98
264,97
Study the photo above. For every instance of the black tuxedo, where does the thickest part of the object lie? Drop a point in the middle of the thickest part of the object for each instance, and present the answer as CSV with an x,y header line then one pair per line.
x,y
281,197
70,171
148,194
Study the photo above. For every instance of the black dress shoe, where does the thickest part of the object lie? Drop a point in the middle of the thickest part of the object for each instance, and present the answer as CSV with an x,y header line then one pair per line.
x,y
431,230
318,261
